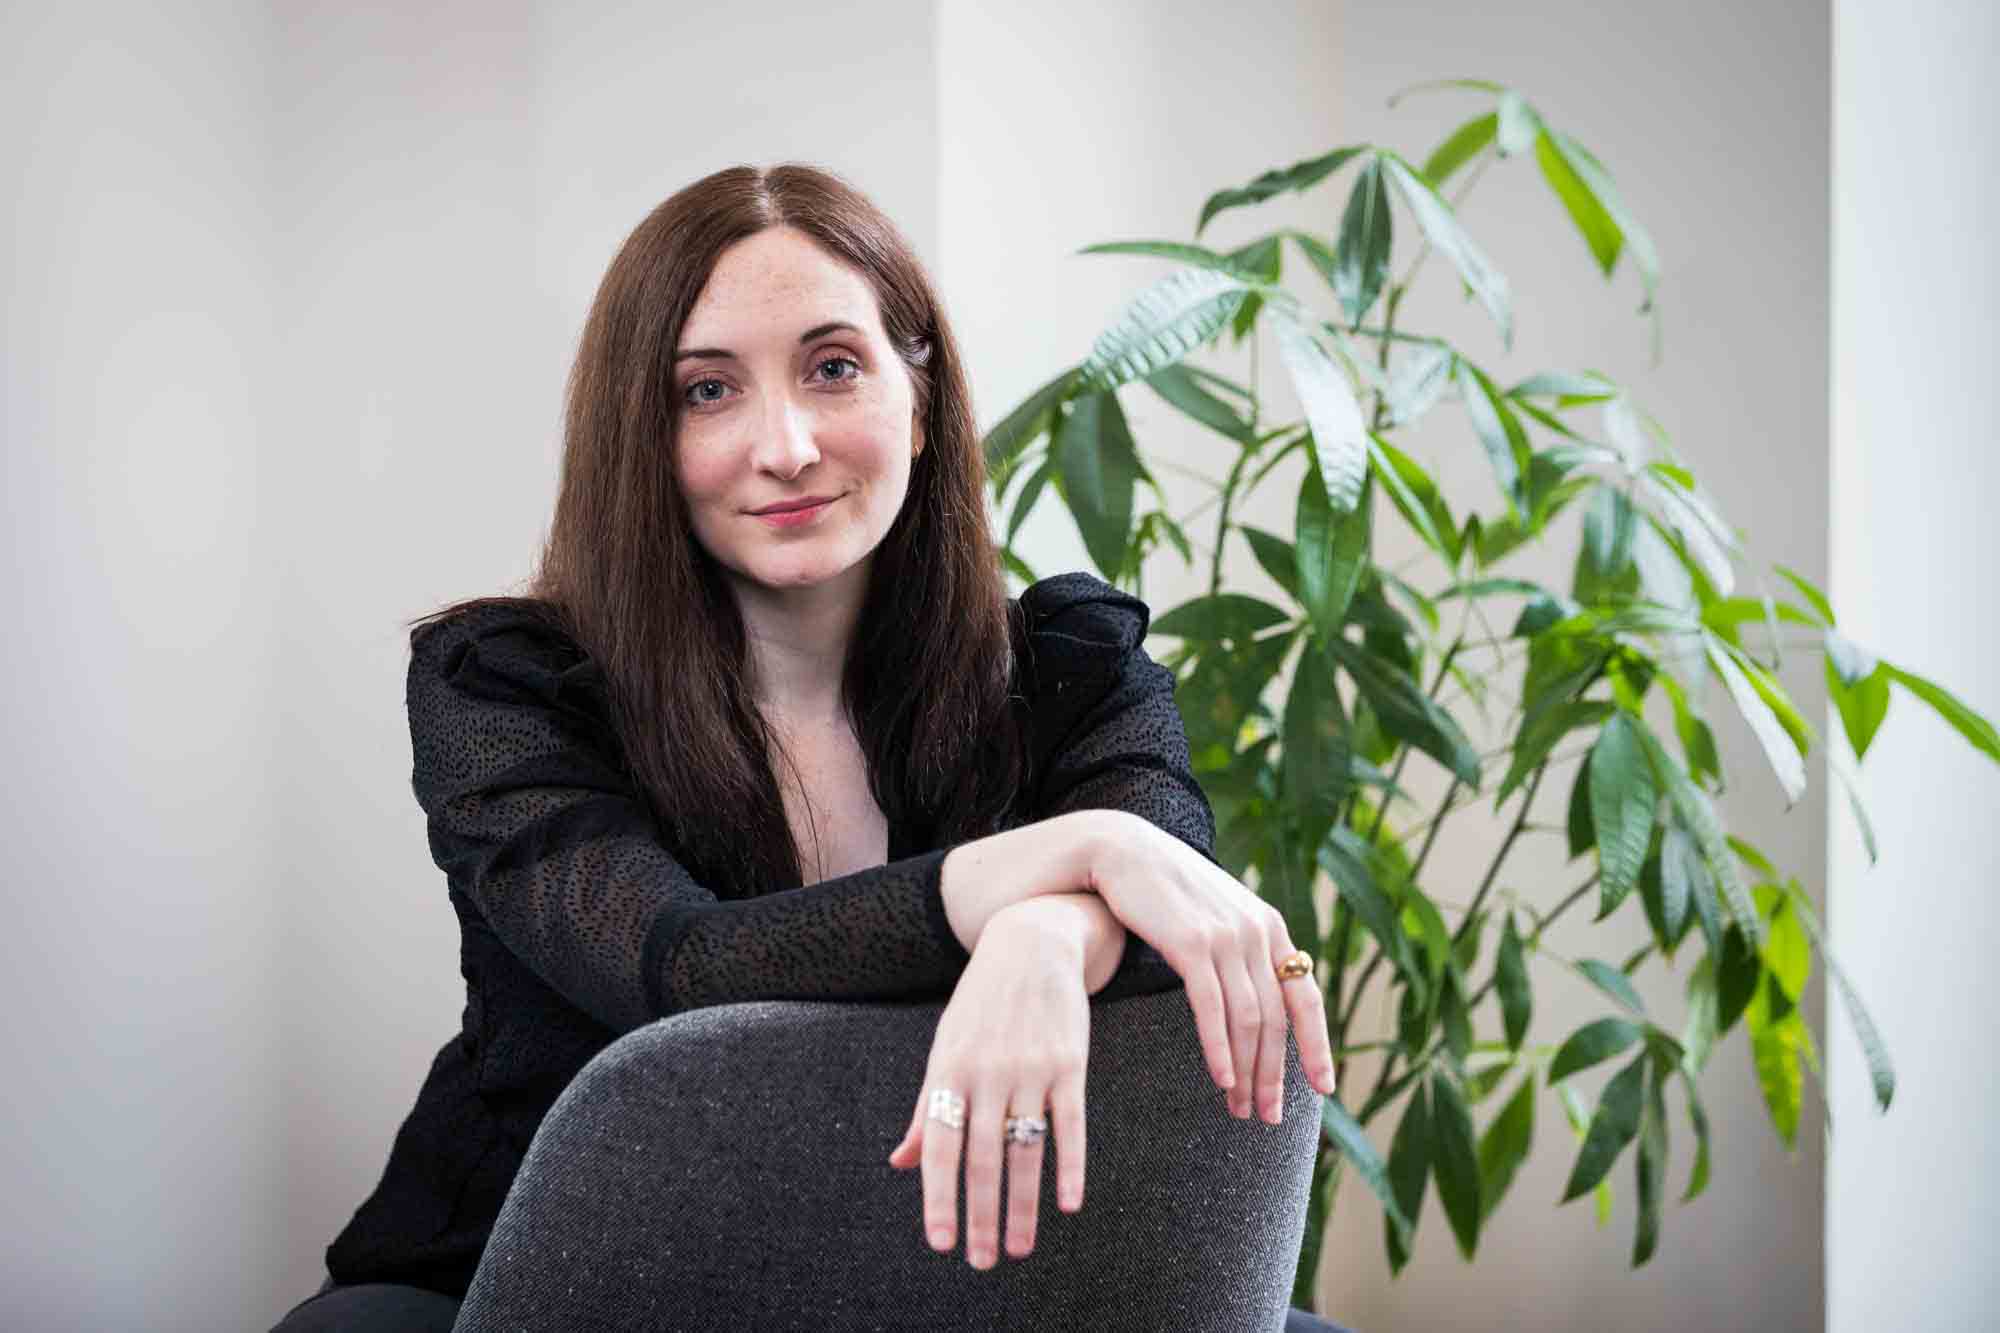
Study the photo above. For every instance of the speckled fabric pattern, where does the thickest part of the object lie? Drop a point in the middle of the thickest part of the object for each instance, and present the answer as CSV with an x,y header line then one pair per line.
x,y
662,1197
578,923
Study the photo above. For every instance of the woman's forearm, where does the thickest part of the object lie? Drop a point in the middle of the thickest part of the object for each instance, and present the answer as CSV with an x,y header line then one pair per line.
x,y
1081,919
979,878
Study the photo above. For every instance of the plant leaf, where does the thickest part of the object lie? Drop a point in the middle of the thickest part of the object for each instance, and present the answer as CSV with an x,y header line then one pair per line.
x,y
1695,810
1683,876
1510,978
1499,430
1316,750
1406,712
1623,800
1600,232
1962,719
1030,491
1331,554
1612,982
1162,324
1650,1167
1518,124
1420,380
1881,1073
1409,1170
1504,1145
1339,439
1299,176
1440,225
1593,175
1276,555
1181,389
1027,422
1698,1176
1352,1141
1218,616
1361,261
1100,467
1813,596
1595,1041
1416,497
1611,1127
1786,754
1345,858
1460,147
1200,256
1862,705
1456,1161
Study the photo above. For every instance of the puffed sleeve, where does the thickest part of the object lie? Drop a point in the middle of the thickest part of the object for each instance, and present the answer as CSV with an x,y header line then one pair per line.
x,y
1112,734
532,817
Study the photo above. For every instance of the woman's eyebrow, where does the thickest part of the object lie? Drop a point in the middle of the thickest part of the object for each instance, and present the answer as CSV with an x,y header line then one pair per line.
x,y
724,354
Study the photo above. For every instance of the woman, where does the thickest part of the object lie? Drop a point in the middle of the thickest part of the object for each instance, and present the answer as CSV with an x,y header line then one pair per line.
x,y
768,646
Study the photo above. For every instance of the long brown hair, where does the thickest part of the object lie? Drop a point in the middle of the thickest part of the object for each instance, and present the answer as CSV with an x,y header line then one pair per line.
x,y
926,679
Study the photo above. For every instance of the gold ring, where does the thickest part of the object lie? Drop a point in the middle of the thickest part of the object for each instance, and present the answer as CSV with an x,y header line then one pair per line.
x,y
1297,963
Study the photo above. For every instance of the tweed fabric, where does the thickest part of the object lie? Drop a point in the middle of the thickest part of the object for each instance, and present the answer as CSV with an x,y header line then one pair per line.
x,y
726,1169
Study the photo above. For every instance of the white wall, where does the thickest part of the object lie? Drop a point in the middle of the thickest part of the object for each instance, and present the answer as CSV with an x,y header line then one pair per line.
x,y
144,880
1911,1215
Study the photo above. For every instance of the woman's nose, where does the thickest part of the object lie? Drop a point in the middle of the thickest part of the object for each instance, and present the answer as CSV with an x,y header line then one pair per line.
x,y
785,445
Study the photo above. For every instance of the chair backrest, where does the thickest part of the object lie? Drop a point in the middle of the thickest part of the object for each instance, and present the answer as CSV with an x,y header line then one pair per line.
x,y
726,1169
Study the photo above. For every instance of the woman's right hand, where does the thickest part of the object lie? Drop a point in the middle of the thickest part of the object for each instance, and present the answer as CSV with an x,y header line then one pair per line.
x,y
1013,1040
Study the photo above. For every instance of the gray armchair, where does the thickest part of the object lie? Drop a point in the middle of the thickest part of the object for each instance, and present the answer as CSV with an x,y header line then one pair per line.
x,y
727,1169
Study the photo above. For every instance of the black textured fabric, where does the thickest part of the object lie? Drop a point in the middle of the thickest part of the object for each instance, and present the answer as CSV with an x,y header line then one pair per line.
x,y
578,924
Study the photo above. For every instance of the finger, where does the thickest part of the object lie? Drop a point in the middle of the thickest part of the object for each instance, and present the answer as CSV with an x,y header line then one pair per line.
x,y
1246,1019
1308,1011
1024,1177
941,1148
1271,1036
1204,996
983,1145
907,1153
1066,1123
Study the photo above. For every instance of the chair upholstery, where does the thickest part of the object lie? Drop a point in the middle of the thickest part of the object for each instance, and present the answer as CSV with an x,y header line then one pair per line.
x,y
726,1168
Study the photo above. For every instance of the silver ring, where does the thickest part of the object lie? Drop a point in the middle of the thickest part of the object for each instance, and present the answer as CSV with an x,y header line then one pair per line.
x,y
947,1107
1027,1129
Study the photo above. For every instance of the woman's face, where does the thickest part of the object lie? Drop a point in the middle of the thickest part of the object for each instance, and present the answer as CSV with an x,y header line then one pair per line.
x,y
787,389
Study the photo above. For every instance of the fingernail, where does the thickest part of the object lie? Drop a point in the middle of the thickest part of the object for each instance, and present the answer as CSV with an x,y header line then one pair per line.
x,y
1274,1115
940,1239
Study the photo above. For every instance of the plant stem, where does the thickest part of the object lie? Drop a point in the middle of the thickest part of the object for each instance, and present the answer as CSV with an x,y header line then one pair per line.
x,y
1222,521
1493,871
1534,939
1345,1010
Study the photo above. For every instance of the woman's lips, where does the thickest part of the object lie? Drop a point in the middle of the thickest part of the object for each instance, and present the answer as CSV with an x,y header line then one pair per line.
x,y
792,518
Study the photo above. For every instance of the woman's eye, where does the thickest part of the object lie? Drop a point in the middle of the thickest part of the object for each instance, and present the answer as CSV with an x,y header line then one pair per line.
x,y
693,396
836,361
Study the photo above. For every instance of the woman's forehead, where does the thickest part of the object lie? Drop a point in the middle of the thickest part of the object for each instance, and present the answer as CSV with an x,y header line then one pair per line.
x,y
773,286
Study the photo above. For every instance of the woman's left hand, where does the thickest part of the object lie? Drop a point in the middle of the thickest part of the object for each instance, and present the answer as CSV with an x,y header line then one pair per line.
x,y
1226,944
1013,1040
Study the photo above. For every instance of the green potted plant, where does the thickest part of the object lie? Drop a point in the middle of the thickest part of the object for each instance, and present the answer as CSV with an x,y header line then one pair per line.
x,y
1601,679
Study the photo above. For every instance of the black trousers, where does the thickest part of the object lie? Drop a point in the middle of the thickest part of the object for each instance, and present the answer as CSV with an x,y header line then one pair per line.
x,y
383,1307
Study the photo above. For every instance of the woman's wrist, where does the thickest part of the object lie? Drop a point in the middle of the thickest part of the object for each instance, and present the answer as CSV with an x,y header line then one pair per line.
x,y
1067,921
1051,856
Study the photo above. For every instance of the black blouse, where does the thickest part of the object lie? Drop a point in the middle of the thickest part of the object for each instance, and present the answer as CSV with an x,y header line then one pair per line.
x,y
578,923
